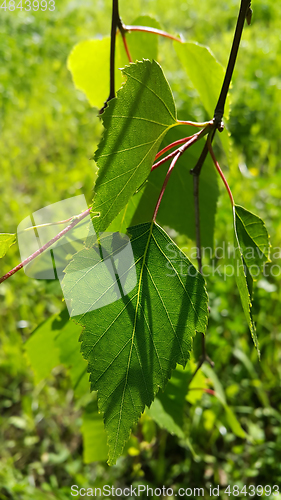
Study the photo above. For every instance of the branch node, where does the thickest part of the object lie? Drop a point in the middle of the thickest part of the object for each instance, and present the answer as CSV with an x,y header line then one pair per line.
x,y
218,120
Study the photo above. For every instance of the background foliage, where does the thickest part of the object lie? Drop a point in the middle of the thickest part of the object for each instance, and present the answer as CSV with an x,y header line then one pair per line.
x,y
48,133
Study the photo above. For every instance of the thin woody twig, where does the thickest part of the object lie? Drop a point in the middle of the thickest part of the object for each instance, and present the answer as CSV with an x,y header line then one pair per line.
x,y
243,12
209,144
196,178
77,219
115,23
189,141
126,46
171,167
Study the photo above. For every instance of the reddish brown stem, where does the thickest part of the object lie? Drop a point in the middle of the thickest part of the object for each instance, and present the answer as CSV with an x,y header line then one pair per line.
x,y
195,124
191,140
155,31
46,246
126,47
172,145
160,162
171,167
219,170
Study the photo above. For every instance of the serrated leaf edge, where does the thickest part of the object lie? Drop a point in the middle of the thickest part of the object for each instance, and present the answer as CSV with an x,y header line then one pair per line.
x,y
252,325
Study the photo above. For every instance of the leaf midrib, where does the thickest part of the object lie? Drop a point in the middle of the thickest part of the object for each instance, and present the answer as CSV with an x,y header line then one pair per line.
x,y
134,331
248,313
156,95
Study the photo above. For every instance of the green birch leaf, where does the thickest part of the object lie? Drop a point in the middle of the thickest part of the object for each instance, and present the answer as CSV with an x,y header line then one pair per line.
x,y
244,288
253,239
164,412
6,241
133,343
88,63
135,123
204,71
69,353
125,217
197,385
248,228
251,243
89,60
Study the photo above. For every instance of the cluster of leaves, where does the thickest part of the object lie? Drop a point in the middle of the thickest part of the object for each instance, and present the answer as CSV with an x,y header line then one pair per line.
x,y
135,123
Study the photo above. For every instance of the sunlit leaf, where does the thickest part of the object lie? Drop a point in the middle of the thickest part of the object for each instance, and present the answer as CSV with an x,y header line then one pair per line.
x,y
133,344
125,217
204,71
253,239
250,235
89,60
37,347
135,123
143,45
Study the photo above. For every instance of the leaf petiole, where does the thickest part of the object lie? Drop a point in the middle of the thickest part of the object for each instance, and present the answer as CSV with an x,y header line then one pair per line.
x,y
47,224
155,31
176,154
211,151
74,220
126,47
190,140
172,145
195,124
171,167
160,162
